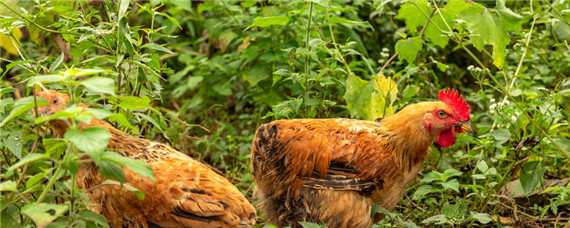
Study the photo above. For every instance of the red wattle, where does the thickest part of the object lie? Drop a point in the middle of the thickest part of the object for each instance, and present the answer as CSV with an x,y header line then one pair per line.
x,y
446,138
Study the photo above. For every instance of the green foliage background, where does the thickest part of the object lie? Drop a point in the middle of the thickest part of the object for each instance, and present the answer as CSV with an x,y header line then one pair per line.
x,y
201,76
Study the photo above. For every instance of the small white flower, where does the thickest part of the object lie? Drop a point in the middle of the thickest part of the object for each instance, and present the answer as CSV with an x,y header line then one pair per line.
x,y
492,112
543,89
470,68
514,119
380,61
385,50
477,69
493,106
517,113
492,100
506,102
385,55
500,104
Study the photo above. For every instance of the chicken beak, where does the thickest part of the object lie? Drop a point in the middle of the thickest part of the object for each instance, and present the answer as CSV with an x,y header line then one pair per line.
x,y
466,126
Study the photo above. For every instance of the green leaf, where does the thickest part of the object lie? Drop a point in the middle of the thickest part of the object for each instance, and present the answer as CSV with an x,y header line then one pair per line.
x,y
138,192
451,172
43,214
157,47
111,170
481,217
46,79
414,16
563,142
378,209
123,7
423,191
340,20
90,140
13,141
27,159
288,108
21,106
56,63
194,81
370,99
138,166
452,184
408,49
258,73
437,219
310,225
92,216
490,27
482,166
151,120
531,175
131,102
205,6
85,72
269,21
121,119
8,186
99,85
432,176
434,34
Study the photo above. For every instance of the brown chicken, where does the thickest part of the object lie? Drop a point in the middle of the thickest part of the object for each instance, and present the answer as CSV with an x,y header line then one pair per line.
x,y
186,194
332,171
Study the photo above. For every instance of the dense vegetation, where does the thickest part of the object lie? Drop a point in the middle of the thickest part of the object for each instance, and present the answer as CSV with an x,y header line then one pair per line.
x,y
202,76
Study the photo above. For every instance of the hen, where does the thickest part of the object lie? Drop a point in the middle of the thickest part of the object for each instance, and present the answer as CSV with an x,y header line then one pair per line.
x,y
333,171
186,194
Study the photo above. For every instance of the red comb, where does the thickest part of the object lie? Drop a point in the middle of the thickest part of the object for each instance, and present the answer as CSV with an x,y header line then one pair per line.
x,y
453,99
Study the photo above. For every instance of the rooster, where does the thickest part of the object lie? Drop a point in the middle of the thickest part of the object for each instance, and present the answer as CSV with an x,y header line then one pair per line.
x,y
186,194
332,171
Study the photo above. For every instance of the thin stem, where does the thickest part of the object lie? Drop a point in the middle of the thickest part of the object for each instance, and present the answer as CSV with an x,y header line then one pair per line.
x,y
336,47
307,59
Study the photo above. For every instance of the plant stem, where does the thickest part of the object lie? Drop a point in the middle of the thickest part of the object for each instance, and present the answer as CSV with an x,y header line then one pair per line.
x,y
307,60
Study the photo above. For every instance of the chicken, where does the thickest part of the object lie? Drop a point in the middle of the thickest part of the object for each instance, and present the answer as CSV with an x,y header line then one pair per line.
x,y
332,171
186,194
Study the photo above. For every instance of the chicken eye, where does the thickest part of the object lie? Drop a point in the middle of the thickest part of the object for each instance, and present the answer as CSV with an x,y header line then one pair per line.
x,y
55,101
441,114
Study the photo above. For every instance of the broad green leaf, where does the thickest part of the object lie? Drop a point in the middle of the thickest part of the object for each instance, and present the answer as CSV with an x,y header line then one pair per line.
x,y
90,140
157,47
258,73
151,120
137,166
432,176
194,81
99,85
370,99
27,159
450,211
341,20
437,219
205,6
564,143
85,72
452,184
531,175
481,217
501,135
310,225
8,186
414,16
288,108
111,170
43,214
123,7
408,49
490,27
21,106
269,21
92,216
121,119
99,113
13,141
226,37
423,191
451,172
377,209
434,34
138,192
483,167
323,3
131,102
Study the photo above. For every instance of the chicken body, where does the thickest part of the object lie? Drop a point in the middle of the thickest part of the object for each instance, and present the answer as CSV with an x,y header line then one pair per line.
x,y
332,171
187,193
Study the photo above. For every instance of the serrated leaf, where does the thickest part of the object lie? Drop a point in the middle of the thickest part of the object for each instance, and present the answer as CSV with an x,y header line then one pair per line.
x,y
482,166
157,47
288,108
8,186
13,141
437,219
490,27
99,85
111,170
90,140
408,49
432,176
370,99
92,216
452,184
121,119
42,213
269,21
413,16
138,166
131,102
451,172
423,191
258,73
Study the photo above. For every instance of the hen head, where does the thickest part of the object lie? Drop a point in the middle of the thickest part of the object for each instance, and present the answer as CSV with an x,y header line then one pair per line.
x,y
447,117
58,102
